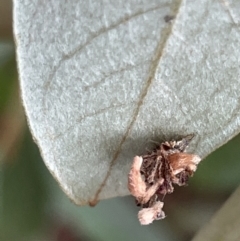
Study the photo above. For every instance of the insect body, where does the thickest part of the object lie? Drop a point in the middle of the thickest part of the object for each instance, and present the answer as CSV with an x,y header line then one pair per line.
x,y
153,175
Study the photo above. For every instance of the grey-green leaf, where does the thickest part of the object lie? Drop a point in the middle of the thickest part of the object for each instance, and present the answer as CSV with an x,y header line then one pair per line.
x,y
225,223
100,79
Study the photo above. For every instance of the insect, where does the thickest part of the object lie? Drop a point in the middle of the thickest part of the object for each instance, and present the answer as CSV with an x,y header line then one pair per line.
x,y
152,176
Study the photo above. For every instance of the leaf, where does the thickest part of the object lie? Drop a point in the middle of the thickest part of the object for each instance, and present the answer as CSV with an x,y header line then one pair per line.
x,y
100,79
7,72
224,224
24,194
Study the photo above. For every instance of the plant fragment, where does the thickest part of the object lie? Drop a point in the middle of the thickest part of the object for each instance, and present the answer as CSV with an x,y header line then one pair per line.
x,y
152,176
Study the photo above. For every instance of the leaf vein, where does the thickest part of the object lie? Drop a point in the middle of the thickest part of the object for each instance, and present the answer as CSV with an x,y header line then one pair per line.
x,y
166,33
100,32
82,118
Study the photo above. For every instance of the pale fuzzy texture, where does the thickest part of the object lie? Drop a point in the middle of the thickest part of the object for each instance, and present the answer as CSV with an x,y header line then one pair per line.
x,y
148,215
182,161
136,184
99,79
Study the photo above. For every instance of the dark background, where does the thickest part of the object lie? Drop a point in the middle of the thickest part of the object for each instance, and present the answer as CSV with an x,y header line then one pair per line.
x,y
32,206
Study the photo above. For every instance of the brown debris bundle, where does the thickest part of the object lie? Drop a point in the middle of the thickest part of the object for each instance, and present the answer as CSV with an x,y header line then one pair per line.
x,y
153,175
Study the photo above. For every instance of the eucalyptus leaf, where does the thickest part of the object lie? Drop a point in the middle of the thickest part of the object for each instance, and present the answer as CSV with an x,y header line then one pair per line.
x,y
224,225
101,79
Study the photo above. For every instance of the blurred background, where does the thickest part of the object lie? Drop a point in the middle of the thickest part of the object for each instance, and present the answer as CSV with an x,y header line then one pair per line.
x,y
33,207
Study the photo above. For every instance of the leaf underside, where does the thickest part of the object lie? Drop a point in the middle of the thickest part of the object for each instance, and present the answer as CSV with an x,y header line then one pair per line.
x,y
101,79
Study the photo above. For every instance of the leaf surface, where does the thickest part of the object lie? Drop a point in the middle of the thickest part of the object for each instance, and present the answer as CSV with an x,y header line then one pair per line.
x,y
100,79
224,225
